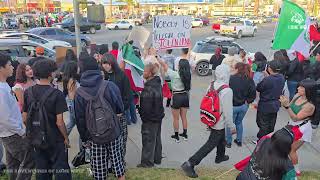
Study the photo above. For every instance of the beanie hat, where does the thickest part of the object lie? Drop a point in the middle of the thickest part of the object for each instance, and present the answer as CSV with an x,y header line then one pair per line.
x,y
87,63
232,51
40,50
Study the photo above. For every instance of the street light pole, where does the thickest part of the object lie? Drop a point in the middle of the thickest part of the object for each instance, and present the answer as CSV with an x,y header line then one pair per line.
x,y
76,13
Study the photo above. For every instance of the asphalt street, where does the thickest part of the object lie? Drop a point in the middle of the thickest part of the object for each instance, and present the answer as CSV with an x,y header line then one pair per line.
x,y
175,154
262,41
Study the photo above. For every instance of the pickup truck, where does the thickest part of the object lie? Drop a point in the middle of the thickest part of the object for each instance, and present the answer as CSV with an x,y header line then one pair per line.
x,y
238,29
85,25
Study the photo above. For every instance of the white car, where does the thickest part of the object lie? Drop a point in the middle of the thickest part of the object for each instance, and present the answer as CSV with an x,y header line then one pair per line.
x,y
51,44
197,22
203,50
239,29
123,24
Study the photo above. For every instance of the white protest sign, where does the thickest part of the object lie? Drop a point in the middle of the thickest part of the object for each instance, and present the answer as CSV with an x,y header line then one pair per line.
x,y
171,32
139,35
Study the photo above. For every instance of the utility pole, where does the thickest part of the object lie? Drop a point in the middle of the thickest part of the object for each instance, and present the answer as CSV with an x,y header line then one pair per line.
x,y
111,9
76,14
243,7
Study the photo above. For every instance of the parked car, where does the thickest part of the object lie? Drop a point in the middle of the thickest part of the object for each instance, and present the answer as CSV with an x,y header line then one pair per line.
x,y
242,28
203,50
122,24
21,50
51,44
85,25
136,20
197,22
205,21
60,34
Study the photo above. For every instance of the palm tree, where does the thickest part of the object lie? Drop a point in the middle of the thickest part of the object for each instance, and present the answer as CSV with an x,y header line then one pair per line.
x,y
130,4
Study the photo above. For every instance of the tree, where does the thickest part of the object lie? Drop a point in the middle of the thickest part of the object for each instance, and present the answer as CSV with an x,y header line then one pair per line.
x,y
231,2
256,7
130,4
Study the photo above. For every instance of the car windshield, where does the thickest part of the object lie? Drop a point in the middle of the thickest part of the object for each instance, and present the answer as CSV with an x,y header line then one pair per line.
x,y
197,47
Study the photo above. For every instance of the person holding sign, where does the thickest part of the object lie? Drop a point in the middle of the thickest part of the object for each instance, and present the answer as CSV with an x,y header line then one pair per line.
x,y
181,85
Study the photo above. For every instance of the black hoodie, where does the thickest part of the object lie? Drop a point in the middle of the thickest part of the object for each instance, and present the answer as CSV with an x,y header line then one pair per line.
x,y
90,82
151,101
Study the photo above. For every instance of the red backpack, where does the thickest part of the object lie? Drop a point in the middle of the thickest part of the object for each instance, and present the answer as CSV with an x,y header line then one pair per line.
x,y
210,106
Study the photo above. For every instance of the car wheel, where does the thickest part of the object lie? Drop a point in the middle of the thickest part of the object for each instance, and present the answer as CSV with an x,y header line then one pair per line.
x,y
116,28
130,27
254,33
239,35
202,68
92,30
83,43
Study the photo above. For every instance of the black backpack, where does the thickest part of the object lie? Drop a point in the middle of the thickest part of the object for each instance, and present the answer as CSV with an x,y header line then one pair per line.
x,y
38,130
102,122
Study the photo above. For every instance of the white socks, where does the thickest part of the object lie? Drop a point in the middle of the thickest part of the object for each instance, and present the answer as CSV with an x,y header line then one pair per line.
x,y
296,167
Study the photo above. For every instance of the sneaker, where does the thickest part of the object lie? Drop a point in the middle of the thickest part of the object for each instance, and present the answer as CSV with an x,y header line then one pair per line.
x,y
238,143
176,138
189,170
228,145
185,136
224,158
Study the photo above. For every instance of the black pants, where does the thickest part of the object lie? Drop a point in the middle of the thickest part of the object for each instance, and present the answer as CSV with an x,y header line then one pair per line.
x,y
19,157
216,139
52,161
266,123
151,143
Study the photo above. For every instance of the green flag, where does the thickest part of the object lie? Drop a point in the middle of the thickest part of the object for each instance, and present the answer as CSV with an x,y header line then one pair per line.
x,y
293,29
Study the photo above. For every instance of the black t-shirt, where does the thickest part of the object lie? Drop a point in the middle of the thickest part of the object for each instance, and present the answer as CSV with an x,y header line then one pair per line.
x,y
55,104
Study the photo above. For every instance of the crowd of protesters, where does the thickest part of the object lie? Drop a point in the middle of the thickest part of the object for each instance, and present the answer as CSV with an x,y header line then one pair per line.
x,y
96,92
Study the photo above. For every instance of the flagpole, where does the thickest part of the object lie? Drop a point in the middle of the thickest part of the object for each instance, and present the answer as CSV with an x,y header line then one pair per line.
x,y
314,48
225,173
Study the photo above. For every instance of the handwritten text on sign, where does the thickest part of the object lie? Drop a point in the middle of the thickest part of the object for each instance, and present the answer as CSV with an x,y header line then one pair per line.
x,y
171,32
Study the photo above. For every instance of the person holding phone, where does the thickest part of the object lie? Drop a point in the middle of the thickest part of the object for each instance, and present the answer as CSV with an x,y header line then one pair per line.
x,y
270,89
301,110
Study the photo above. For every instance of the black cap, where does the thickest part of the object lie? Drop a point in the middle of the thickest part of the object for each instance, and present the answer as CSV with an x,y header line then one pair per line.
x,y
275,65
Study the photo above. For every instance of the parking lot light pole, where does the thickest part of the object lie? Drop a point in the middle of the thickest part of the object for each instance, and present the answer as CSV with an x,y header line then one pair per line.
x,y
76,13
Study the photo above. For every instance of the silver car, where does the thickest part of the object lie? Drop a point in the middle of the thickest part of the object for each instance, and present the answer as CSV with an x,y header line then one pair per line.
x,y
22,50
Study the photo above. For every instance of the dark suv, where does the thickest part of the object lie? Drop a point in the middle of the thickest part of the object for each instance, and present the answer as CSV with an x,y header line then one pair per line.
x,y
85,25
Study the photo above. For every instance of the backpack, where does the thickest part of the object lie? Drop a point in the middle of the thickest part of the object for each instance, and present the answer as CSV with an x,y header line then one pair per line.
x,y
37,129
102,122
210,106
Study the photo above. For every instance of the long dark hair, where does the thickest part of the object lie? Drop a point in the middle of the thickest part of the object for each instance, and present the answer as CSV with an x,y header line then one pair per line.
x,y
260,60
70,55
309,86
272,155
70,71
111,60
185,73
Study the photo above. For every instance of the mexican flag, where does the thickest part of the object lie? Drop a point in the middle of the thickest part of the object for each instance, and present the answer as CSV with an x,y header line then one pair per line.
x,y
293,29
134,67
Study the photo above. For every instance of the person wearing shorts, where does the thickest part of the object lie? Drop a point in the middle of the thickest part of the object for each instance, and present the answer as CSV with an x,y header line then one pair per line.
x,y
180,83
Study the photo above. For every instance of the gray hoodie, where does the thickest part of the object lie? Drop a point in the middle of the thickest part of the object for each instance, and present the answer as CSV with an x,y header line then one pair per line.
x,y
226,107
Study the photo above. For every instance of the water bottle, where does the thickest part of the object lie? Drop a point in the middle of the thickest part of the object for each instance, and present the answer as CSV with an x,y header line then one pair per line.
x,y
87,155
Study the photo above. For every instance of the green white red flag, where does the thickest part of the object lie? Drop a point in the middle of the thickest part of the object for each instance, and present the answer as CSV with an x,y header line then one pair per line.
x,y
293,29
